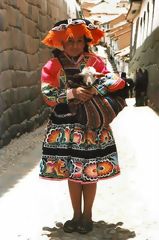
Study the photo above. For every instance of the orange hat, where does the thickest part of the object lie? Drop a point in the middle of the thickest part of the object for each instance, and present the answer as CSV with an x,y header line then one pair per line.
x,y
72,28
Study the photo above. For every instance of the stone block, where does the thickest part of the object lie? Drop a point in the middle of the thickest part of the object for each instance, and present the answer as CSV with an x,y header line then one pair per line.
x,y
12,16
6,119
34,91
18,60
12,3
5,138
35,77
34,13
6,97
43,23
26,106
5,40
49,12
17,39
30,28
21,78
6,80
23,127
4,65
55,13
23,7
3,20
43,7
32,45
2,4
20,20
44,55
43,116
2,129
33,61
22,94
13,130
15,112
3,126
34,107
30,125
20,116
3,106
33,2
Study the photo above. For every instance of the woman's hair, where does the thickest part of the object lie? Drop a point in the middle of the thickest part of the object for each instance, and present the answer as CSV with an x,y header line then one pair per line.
x,y
86,40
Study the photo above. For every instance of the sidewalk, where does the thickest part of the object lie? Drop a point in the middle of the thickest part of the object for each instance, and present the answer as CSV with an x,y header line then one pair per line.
x,y
125,206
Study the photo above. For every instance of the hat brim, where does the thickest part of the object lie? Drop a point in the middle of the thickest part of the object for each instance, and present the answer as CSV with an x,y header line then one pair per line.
x,y
60,34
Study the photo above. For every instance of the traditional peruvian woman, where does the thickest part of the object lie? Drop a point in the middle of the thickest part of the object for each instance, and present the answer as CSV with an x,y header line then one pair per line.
x,y
79,144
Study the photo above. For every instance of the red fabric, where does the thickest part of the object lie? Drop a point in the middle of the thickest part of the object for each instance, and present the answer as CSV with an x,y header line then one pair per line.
x,y
50,72
117,85
98,64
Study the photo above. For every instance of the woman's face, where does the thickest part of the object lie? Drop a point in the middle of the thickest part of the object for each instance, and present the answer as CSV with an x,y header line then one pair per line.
x,y
74,47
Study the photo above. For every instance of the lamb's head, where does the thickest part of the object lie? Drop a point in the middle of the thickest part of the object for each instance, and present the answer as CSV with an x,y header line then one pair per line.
x,y
90,75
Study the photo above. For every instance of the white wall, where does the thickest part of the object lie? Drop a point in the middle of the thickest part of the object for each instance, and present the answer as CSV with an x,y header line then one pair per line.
x,y
147,24
72,7
156,15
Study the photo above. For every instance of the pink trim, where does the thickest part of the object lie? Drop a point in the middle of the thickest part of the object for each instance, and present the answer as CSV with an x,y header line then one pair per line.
x,y
78,181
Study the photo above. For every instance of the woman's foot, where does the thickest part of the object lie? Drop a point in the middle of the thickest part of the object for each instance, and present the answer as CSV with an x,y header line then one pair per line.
x,y
70,226
85,226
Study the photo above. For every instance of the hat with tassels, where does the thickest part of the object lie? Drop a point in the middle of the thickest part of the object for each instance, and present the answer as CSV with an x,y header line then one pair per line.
x,y
72,28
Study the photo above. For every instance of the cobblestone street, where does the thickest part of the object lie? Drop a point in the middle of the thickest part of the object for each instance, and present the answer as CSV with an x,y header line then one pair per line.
x,y
125,207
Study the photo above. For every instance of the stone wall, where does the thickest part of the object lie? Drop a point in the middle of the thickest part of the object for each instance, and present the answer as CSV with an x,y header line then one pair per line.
x,y
147,57
23,23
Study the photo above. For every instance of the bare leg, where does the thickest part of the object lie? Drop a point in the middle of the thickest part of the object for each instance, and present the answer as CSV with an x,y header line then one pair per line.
x,y
89,192
75,190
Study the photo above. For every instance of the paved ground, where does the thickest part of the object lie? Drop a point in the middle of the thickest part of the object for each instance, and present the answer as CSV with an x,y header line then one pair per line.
x,y
125,206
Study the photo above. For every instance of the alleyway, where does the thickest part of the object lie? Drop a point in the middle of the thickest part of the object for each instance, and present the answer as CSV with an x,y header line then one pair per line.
x,y
30,208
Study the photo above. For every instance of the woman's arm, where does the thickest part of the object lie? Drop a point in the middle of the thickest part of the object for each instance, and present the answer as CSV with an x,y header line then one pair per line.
x,y
52,90
110,82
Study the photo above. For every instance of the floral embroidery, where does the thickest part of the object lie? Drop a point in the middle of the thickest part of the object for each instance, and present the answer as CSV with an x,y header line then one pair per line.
x,y
105,168
54,136
67,135
57,167
91,170
77,170
105,136
91,137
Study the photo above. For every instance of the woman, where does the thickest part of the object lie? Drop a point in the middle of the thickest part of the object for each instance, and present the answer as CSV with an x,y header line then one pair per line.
x,y
79,144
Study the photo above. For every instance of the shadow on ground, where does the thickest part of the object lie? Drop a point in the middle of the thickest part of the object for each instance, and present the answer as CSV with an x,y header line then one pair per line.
x,y
101,231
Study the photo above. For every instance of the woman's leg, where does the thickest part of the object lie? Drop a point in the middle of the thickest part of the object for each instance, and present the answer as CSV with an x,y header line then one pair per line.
x,y
75,190
89,192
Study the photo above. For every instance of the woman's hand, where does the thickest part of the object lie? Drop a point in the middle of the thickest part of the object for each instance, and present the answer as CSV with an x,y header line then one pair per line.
x,y
84,94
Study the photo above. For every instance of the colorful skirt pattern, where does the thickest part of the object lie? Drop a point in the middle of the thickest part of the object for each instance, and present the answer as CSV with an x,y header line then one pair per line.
x,y
73,150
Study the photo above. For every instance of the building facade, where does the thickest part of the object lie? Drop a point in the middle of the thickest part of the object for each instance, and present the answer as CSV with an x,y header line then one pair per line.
x,y
143,16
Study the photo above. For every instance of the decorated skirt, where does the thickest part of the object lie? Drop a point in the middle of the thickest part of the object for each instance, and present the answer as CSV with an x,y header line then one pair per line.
x,y
73,151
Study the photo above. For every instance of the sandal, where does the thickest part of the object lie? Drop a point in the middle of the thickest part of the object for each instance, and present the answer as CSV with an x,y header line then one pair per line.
x,y
70,226
85,227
